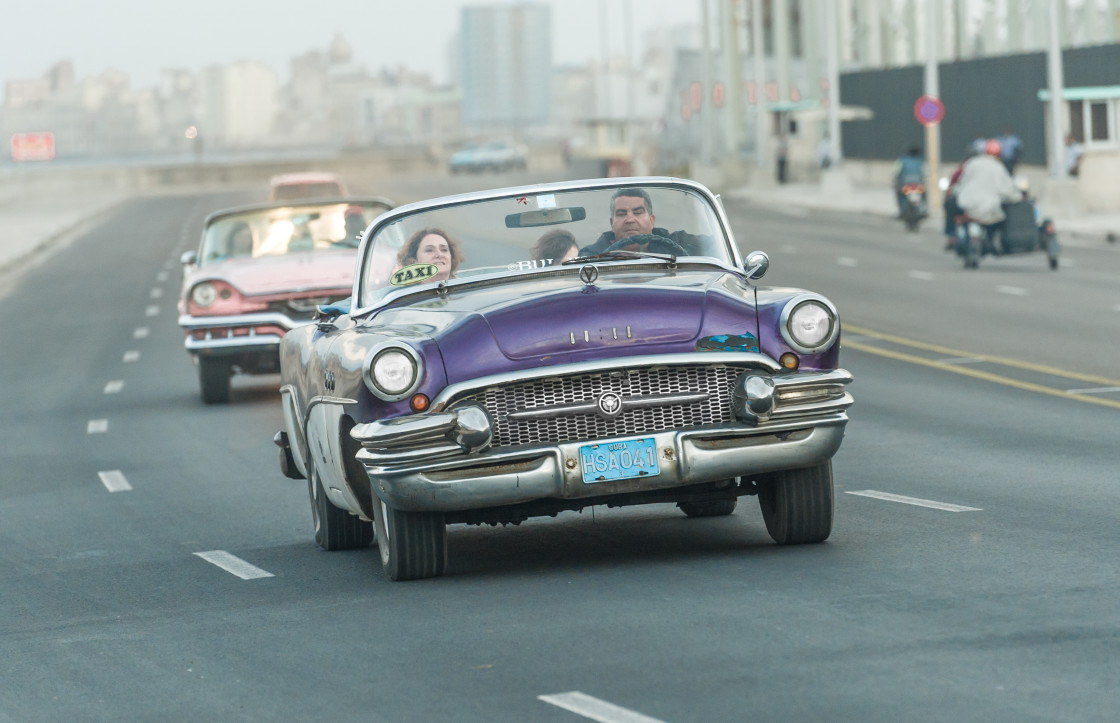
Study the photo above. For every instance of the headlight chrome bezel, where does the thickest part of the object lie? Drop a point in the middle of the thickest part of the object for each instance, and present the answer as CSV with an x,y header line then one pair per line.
x,y
378,353
798,302
204,287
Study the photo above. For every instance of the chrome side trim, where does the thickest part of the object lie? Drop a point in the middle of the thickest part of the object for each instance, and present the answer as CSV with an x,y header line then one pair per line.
x,y
247,342
297,438
730,358
627,403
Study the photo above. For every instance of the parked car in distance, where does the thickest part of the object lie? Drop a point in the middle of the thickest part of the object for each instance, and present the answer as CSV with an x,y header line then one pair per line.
x,y
480,375
291,186
261,271
500,155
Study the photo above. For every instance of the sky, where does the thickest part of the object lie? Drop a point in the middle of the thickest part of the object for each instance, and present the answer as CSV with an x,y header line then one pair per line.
x,y
141,37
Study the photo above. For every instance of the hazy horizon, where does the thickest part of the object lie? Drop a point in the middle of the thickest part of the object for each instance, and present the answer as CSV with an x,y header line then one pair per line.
x,y
142,38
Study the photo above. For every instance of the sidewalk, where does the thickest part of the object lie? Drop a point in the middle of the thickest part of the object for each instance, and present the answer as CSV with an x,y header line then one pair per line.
x,y
1097,227
30,227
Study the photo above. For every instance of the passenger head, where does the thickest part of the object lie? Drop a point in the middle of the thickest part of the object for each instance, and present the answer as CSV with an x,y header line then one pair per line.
x,y
432,246
556,247
631,213
992,147
354,221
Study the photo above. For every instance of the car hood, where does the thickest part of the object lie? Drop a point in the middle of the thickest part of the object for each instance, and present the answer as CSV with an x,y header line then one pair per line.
x,y
556,320
264,275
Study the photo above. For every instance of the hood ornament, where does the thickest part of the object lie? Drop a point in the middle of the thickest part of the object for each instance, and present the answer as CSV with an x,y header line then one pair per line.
x,y
588,274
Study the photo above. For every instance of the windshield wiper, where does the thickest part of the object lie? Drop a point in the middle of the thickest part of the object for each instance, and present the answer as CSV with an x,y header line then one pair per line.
x,y
621,255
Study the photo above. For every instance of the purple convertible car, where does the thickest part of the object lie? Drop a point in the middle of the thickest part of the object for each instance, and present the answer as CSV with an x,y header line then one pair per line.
x,y
521,352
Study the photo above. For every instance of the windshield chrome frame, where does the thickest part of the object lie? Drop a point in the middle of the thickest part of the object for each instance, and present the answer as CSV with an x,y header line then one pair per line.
x,y
535,189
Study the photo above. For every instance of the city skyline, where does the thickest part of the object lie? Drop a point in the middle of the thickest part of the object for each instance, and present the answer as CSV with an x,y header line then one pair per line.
x,y
143,38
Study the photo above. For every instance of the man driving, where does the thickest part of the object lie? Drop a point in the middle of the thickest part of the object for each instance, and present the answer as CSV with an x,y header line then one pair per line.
x,y
632,215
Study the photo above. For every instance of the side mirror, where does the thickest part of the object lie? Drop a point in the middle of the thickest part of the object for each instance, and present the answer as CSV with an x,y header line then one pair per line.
x,y
189,258
756,264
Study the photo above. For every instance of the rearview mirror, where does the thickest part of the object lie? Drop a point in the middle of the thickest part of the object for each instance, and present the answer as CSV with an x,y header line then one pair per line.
x,y
545,217
189,258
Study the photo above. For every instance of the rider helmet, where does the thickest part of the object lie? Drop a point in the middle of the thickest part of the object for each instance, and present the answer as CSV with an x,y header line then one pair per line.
x,y
992,147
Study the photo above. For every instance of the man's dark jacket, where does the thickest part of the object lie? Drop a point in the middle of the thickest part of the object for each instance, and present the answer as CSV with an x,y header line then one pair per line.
x,y
690,242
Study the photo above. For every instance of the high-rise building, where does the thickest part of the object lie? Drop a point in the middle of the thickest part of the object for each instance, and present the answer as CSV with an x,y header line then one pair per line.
x,y
505,70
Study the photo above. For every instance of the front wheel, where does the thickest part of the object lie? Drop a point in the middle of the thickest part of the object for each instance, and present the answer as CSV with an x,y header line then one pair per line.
x,y
335,529
797,504
413,545
213,380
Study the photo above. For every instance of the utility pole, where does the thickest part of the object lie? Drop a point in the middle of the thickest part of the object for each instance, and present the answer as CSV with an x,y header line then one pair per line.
x,y
831,32
734,76
1057,96
760,122
932,89
708,116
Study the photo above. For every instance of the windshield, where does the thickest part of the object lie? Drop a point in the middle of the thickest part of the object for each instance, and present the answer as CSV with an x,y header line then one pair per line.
x,y
279,230
519,234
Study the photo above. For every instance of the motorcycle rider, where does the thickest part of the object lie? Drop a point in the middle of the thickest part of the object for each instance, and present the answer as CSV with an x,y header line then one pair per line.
x,y
910,168
984,186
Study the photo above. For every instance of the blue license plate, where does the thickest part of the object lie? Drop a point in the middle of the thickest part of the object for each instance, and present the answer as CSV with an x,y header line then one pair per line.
x,y
618,460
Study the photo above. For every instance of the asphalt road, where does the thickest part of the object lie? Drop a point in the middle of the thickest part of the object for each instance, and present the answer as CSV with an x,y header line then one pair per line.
x,y
971,575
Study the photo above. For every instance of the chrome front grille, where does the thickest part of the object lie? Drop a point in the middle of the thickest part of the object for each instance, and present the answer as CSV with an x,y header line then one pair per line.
x,y
717,381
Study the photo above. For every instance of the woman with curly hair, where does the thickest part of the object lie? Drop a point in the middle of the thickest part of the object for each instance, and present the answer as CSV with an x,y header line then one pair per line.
x,y
432,246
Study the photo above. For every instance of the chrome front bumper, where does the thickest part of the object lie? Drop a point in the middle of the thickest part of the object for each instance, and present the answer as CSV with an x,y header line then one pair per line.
x,y
685,458
228,343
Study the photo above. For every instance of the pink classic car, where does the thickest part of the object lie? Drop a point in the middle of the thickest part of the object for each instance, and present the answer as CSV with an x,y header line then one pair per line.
x,y
261,271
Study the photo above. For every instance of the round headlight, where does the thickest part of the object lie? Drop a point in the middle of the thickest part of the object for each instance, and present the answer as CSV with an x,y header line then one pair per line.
x,y
809,324
393,371
204,294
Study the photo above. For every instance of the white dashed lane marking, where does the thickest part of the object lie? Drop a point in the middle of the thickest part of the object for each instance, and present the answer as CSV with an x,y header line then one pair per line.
x,y
140,333
1012,290
846,261
1094,390
920,275
151,311
161,276
114,481
131,355
595,709
97,426
962,360
157,293
887,496
234,565
114,386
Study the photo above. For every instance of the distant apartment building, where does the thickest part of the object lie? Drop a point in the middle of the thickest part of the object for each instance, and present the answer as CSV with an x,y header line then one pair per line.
x,y
505,65
239,104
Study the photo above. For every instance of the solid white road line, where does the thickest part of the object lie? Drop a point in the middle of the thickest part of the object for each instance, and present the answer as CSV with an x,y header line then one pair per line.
x,y
920,275
1094,390
1012,290
233,564
114,386
595,709
914,501
846,261
157,293
151,311
131,355
97,426
114,481
141,332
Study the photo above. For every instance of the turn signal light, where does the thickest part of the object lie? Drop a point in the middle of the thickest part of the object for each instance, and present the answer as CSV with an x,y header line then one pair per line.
x,y
419,403
789,361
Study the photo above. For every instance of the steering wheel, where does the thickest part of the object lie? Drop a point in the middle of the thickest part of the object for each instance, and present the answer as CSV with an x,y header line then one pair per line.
x,y
648,242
